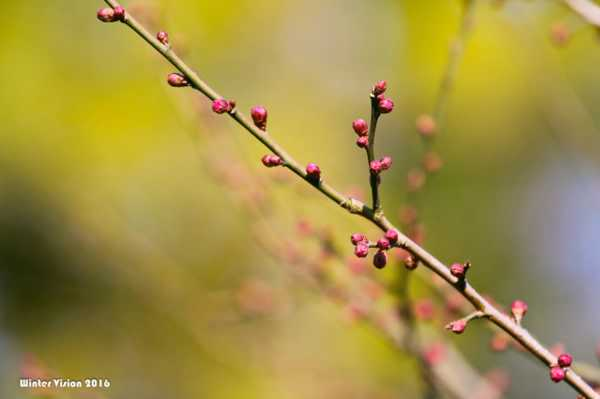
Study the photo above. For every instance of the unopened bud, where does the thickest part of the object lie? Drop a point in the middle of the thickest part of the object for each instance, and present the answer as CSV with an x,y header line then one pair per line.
x,y
177,80
380,87
380,259
163,37
259,116
519,309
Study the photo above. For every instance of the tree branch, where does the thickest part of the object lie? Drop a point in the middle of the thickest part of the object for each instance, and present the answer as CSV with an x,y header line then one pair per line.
x,y
471,294
586,9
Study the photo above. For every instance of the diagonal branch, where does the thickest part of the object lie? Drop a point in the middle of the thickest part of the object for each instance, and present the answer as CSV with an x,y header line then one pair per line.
x,y
493,314
587,9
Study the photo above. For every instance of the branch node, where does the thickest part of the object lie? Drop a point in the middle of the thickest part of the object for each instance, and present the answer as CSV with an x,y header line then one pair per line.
x,y
352,205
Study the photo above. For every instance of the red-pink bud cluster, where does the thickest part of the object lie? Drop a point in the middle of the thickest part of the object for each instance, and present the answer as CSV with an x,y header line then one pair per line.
x,y
361,128
220,106
558,371
271,160
379,165
362,246
111,14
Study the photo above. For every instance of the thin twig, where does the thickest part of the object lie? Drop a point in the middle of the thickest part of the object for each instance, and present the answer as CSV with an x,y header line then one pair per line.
x,y
374,178
471,294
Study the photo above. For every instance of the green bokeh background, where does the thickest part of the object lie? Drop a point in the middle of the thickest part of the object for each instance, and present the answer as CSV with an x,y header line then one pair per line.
x,y
121,257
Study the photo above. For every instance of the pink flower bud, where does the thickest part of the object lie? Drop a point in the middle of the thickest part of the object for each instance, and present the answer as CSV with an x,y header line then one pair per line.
x,y
408,215
220,106
361,250
560,34
383,244
426,125
415,180
457,327
557,374
432,162
106,15
499,342
259,116
565,360
119,13
380,87
360,127
375,166
380,259
386,163
459,270
313,171
357,238
391,235
271,160
519,309
424,310
163,37
177,80
385,105
362,141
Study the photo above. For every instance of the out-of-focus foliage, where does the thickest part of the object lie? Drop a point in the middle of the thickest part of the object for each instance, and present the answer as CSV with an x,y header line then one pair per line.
x,y
122,257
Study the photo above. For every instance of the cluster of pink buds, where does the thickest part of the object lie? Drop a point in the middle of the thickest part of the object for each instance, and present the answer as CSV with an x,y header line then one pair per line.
x,y
271,160
384,105
361,128
259,116
459,270
362,246
558,371
379,165
220,106
111,14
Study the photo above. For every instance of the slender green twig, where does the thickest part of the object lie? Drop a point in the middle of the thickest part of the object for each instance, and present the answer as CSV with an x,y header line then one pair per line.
x,y
469,292
374,178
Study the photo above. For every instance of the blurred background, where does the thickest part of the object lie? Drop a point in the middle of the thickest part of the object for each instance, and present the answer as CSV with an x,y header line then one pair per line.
x,y
142,241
